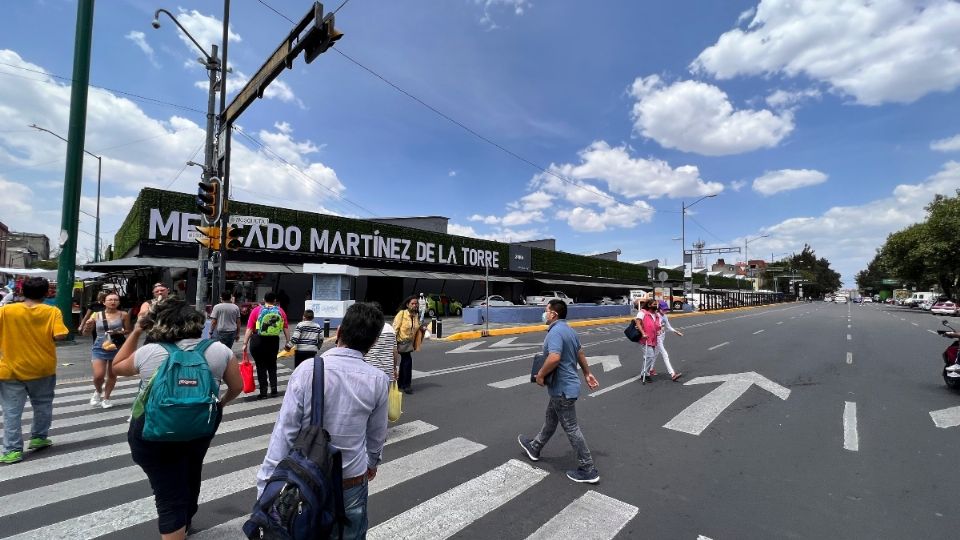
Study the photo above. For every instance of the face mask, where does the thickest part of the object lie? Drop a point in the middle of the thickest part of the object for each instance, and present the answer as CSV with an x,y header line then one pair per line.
x,y
543,317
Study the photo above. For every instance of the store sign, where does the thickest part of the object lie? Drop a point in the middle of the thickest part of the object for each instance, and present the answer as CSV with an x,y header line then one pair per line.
x,y
520,257
179,227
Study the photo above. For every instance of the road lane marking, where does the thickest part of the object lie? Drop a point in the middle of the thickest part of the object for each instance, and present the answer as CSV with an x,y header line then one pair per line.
x,y
851,441
452,511
695,418
915,324
946,418
615,386
419,463
758,331
931,331
849,357
849,337
593,515
608,362
718,346
781,322
510,383
849,326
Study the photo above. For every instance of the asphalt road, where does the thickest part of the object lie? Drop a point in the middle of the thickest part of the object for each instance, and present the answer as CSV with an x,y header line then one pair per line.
x,y
791,421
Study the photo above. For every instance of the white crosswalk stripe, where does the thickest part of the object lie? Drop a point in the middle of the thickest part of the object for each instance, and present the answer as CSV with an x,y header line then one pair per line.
x,y
46,483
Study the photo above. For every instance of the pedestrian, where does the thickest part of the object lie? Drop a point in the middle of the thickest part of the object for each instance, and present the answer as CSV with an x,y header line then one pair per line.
x,y
174,468
383,355
110,328
649,325
225,320
661,350
265,325
406,325
29,367
9,297
95,307
354,412
307,337
160,292
564,353
423,305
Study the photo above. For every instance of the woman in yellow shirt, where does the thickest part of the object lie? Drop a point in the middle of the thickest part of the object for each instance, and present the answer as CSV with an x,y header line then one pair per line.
x,y
409,332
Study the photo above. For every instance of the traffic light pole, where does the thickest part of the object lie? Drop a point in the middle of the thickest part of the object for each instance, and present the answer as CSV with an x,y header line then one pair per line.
x,y
209,161
220,284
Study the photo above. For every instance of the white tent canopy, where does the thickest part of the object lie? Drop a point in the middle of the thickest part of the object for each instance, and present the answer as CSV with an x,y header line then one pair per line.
x,y
49,274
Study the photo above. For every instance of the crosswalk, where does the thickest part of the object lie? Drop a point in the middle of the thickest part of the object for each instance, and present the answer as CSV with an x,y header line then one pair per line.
x,y
86,485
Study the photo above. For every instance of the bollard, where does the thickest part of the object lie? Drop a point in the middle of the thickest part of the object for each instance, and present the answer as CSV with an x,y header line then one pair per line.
x,y
439,332
326,328
433,326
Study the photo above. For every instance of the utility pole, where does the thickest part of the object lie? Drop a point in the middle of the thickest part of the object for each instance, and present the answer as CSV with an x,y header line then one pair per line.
x,y
73,174
223,142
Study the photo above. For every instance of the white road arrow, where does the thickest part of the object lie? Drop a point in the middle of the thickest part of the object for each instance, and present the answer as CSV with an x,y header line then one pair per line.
x,y
946,418
607,362
500,346
695,418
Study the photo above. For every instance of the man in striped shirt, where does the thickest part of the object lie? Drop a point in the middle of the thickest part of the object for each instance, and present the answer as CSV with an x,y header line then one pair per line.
x,y
307,337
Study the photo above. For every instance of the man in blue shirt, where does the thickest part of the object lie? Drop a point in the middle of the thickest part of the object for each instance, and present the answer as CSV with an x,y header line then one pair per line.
x,y
564,353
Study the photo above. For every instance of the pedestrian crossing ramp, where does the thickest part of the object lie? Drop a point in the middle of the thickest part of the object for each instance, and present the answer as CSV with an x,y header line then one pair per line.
x,y
96,490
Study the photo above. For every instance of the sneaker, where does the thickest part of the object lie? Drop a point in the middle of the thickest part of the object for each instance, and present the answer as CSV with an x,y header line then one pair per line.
x,y
11,457
37,443
528,447
106,403
95,399
588,477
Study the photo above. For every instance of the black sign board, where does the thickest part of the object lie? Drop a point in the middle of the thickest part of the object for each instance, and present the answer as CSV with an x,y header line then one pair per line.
x,y
520,258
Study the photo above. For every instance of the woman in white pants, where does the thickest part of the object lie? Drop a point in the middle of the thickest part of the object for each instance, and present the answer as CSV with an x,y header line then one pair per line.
x,y
661,350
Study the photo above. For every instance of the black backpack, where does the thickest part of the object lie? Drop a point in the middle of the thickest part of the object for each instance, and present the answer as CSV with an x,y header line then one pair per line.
x,y
303,499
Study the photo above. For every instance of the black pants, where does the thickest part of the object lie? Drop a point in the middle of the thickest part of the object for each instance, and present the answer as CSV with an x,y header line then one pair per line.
x,y
405,375
264,350
174,470
300,356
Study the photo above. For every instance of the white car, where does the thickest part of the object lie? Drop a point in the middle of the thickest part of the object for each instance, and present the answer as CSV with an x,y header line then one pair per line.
x,y
545,297
945,307
494,300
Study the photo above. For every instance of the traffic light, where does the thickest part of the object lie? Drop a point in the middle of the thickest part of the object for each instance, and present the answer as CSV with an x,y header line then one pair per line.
x,y
210,237
209,201
234,241
322,36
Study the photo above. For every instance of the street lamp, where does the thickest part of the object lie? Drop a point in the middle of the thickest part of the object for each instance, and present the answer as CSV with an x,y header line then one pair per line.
x,y
683,235
213,66
96,240
746,259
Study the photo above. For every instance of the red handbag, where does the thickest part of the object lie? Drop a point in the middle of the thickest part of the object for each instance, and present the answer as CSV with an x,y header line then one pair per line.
x,y
246,373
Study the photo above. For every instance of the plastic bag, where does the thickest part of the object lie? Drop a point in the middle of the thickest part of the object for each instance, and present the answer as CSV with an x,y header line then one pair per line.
x,y
246,373
394,402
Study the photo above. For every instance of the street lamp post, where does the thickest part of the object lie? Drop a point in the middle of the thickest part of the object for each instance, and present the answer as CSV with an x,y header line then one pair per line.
x,y
96,240
212,64
746,259
683,235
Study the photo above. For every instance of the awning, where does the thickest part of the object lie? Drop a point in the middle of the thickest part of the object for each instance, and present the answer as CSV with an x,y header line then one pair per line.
x,y
447,276
160,262
49,274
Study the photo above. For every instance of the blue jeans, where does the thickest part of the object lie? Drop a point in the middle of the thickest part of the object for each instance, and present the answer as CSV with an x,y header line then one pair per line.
x,y
13,396
563,411
355,506
227,338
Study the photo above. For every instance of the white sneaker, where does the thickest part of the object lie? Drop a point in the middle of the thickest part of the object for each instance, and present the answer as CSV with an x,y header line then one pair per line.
x,y
106,404
95,399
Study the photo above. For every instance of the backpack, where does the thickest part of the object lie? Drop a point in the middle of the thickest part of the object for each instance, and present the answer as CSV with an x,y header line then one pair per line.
x,y
180,402
303,498
269,322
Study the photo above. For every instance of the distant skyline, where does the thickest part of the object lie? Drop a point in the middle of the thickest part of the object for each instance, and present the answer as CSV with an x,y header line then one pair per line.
x,y
825,123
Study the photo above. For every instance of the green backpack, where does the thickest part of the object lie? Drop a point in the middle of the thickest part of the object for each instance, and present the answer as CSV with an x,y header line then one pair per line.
x,y
180,401
269,322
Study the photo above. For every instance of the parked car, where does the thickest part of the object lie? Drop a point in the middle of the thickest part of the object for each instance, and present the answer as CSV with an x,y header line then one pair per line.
x,y
622,300
495,300
443,305
926,305
945,307
866,300
604,301
545,297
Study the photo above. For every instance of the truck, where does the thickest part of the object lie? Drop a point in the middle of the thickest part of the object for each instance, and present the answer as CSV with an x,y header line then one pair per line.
x,y
545,297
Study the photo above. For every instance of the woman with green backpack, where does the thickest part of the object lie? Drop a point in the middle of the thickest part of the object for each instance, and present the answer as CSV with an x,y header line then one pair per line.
x,y
179,408
264,327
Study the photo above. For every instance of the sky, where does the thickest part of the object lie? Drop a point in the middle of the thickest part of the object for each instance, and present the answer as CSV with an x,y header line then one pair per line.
x,y
831,124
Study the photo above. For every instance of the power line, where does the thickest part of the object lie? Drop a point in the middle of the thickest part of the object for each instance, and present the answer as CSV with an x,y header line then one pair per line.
x,y
192,156
463,126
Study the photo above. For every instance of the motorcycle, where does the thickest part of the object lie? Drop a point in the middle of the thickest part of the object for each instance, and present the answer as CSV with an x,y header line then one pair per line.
x,y
951,359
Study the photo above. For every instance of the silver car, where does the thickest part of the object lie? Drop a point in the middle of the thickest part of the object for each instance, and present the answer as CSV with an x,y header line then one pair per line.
x,y
495,300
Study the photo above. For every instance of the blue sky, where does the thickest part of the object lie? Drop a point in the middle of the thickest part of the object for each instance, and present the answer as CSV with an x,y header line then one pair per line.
x,y
830,123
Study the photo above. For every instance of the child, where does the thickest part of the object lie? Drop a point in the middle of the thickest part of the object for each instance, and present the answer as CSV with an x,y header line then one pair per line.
x,y
307,336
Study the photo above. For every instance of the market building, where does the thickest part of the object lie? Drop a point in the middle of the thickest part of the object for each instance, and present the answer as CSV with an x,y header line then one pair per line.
x,y
386,259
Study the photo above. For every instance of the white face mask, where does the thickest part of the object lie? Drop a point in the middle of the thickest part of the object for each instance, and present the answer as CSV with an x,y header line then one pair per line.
x,y
543,316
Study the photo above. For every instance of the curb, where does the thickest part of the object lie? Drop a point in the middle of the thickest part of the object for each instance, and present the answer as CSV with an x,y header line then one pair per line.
x,y
515,330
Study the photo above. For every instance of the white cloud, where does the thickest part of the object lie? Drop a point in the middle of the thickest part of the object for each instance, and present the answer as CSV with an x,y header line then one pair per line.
x,y
876,52
697,117
783,99
518,7
746,15
452,173
624,175
277,89
140,40
950,144
618,216
207,30
849,235
737,185
510,219
773,182
499,234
